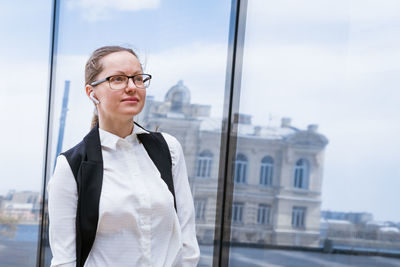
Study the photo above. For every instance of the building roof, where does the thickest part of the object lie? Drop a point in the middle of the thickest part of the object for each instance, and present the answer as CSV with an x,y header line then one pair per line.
x,y
389,230
177,105
285,132
178,93
334,221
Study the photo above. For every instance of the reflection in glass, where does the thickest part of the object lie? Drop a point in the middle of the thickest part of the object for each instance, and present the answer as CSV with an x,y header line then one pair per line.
x,y
263,214
186,55
267,170
279,206
301,174
196,131
298,217
204,162
241,169
24,53
323,188
200,208
237,212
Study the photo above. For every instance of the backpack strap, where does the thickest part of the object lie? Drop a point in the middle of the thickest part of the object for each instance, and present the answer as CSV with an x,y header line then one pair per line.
x,y
158,150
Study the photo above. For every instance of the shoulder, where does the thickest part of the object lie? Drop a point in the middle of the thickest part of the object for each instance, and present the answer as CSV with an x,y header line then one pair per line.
x,y
75,155
81,151
62,178
77,151
61,164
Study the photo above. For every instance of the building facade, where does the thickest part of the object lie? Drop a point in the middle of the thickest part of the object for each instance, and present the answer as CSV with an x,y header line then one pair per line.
x,y
277,171
21,207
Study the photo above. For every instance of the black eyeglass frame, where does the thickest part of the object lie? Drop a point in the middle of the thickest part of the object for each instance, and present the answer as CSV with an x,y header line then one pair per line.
x,y
129,77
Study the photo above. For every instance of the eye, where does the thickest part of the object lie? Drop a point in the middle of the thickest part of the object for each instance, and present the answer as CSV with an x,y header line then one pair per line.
x,y
118,79
139,78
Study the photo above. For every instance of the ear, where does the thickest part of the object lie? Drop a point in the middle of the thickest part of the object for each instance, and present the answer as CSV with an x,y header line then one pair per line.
x,y
88,89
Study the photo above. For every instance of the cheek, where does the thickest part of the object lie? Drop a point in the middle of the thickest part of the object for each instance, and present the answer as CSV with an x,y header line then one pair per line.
x,y
143,97
142,94
110,99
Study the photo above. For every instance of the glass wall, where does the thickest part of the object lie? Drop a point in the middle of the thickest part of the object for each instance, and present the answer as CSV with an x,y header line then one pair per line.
x,y
186,56
316,165
313,140
24,53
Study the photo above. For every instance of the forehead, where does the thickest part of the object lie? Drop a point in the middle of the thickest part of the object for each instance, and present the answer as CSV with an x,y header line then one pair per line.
x,y
122,61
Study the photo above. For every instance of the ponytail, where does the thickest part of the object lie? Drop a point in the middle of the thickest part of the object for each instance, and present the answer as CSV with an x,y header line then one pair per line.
x,y
95,119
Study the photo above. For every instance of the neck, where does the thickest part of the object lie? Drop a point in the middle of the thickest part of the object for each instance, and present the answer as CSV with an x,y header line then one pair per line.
x,y
119,128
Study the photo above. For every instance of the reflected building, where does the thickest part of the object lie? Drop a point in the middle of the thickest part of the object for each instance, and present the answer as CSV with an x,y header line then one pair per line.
x,y
353,217
277,171
359,230
21,206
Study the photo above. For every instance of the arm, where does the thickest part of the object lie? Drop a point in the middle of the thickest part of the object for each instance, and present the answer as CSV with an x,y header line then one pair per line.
x,y
184,203
62,192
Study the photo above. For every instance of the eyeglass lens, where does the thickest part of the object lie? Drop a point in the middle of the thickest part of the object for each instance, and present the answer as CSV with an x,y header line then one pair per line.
x,y
119,82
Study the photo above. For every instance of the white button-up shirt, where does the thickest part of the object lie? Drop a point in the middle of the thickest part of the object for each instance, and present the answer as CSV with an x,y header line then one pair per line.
x,y
138,224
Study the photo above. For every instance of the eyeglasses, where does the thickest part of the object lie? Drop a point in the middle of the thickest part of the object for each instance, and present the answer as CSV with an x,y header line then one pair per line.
x,y
119,82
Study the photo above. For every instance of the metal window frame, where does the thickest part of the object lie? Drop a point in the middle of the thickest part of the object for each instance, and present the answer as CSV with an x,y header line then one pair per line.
x,y
229,133
43,221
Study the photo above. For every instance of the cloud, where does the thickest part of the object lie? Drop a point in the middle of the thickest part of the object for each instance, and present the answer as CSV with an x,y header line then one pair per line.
x,y
333,63
23,107
202,67
293,63
294,10
372,11
322,12
99,10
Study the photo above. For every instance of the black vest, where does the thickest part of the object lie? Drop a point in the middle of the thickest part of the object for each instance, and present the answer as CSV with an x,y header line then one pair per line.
x,y
86,162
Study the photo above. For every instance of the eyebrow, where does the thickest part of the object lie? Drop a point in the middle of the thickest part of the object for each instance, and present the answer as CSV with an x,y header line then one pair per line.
x,y
123,73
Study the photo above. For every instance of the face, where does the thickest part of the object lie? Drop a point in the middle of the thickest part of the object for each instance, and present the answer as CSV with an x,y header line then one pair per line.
x,y
118,104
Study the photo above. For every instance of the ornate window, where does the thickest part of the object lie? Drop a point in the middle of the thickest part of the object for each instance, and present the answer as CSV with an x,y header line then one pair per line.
x,y
200,208
298,217
263,215
241,169
203,166
301,174
237,212
266,172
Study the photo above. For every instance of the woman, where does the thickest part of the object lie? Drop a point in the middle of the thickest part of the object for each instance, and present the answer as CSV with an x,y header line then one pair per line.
x,y
108,205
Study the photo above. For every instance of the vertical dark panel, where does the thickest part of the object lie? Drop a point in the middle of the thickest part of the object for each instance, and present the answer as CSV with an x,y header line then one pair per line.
x,y
43,233
229,133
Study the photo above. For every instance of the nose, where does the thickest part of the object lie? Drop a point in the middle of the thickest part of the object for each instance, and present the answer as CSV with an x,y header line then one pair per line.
x,y
131,85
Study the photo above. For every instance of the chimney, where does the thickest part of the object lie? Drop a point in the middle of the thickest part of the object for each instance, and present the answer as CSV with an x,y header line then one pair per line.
x,y
312,128
285,122
240,118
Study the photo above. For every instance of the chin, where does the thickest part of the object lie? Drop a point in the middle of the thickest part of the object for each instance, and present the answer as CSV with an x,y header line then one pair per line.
x,y
132,113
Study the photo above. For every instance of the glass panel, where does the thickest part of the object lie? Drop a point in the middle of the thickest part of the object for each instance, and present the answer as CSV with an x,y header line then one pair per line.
x,y
319,95
24,53
184,47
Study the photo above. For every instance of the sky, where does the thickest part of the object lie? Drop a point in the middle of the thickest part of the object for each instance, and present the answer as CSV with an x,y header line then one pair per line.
x,y
335,64
331,63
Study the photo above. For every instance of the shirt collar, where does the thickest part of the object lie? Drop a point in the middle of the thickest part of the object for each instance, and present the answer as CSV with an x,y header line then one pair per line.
x,y
139,130
110,140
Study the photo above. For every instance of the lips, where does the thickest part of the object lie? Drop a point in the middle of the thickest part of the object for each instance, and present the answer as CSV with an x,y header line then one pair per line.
x,y
130,99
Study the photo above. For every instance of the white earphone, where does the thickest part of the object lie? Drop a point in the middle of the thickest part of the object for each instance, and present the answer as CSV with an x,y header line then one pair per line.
x,y
96,101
